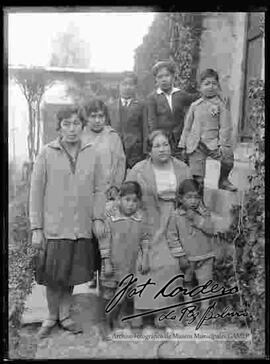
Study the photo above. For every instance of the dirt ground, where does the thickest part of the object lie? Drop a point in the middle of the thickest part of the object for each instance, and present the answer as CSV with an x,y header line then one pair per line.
x,y
64,345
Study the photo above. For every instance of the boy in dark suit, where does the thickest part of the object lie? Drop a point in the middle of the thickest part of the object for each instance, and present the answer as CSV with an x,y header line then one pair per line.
x,y
167,105
128,117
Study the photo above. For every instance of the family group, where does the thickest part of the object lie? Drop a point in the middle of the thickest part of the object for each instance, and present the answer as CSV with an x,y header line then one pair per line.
x,y
120,192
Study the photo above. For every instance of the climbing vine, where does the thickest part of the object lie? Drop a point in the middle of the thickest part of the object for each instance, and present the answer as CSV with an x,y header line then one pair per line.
x,y
174,36
247,235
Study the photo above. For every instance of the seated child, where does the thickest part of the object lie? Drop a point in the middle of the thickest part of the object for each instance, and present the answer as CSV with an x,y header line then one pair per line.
x,y
191,225
126,238
207,132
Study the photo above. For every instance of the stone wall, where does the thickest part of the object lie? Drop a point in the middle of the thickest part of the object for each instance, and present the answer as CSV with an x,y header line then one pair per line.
x,y
223,48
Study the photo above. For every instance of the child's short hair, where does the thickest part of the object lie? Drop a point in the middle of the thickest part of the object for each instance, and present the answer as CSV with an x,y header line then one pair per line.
x,y
154,134
65,113
163,64
130,74
209,72
93,105
188,185
130,187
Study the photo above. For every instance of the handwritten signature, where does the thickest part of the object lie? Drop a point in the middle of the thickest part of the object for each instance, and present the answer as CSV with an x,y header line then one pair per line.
x,y
206,291
191,313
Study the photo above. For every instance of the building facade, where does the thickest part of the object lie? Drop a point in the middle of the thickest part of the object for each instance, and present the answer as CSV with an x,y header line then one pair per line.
x,y
233,44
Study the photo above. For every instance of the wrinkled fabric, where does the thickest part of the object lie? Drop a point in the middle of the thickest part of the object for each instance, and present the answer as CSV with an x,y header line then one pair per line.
x,y
63,203
109,146
163,263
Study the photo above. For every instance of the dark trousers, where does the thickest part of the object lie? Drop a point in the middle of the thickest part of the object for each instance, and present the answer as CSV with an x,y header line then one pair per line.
x,y
197,159
97,255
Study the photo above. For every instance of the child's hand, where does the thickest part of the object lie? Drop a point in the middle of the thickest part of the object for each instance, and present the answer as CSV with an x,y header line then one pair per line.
x,y
190,214
189,274
145,266
108,268
184,263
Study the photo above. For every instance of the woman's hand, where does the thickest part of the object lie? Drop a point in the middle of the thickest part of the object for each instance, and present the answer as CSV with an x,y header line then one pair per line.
x,y
112,193
99,229
145,266
38,239
183,153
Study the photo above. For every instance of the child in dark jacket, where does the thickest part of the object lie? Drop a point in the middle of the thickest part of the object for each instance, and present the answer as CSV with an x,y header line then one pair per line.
x,y
125,243
192,226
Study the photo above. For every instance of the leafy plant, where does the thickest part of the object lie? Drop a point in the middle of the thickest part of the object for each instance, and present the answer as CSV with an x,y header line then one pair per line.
x,y
20,258
174,36
247,234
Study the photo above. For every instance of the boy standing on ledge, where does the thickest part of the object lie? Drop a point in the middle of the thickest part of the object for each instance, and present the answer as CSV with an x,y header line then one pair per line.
x,y
207,132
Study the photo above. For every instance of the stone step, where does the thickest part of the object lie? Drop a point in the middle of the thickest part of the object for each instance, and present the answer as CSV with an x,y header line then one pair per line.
x,y
221,201
238,176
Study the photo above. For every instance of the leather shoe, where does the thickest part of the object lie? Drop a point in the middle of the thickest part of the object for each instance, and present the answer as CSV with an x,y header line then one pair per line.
x,y
46,329
227,185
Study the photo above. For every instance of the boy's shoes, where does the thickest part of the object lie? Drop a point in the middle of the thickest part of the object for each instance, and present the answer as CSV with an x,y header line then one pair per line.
x,y
227,185
46,328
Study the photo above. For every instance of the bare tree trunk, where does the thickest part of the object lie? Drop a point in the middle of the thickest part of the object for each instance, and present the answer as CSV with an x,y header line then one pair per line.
x,y
38,126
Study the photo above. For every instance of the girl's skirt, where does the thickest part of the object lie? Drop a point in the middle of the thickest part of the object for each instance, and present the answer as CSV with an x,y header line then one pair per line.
x,y
65,262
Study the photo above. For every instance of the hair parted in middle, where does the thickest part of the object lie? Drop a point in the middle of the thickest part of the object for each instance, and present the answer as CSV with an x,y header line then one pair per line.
x,y
130,187
188,185
93,105
154,134
66,112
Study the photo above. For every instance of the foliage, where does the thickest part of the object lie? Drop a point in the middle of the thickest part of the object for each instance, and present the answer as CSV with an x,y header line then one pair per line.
x,y
185,30
174,36
20,265
247,232
33,84
69,50
82,91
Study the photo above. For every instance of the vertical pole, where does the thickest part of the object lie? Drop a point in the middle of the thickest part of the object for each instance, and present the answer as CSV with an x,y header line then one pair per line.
x,y
13,131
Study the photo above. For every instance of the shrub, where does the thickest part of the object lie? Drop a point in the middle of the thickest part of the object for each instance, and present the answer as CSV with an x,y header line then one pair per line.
x,y
20,265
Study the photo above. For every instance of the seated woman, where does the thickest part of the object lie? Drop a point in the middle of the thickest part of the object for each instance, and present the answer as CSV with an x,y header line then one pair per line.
x,y
159,177
108,145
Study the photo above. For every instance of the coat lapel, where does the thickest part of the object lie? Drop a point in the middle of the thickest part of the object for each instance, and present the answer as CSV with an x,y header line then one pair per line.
x,y
164,101
151,180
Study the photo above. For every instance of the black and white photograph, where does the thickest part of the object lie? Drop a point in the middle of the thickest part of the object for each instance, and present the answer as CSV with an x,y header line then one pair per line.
x,y
136,194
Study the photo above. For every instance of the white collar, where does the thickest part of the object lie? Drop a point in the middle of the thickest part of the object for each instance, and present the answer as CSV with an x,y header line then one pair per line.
x,y
124,100
174,89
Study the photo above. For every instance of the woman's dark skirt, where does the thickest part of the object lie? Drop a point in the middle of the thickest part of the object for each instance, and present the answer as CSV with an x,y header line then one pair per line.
x,y
97,255
65,263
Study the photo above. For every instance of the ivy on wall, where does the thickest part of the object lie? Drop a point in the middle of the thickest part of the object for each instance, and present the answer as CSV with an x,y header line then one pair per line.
x,y
247,237
174,36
